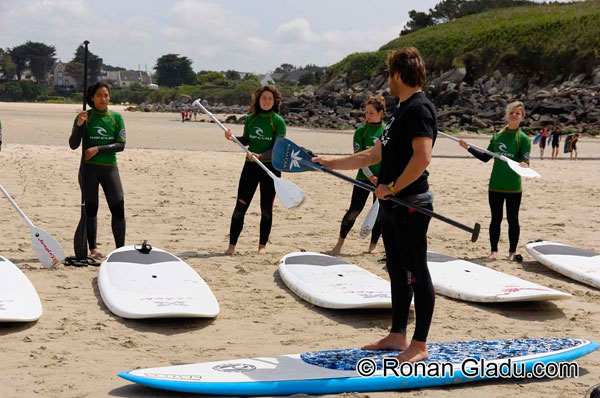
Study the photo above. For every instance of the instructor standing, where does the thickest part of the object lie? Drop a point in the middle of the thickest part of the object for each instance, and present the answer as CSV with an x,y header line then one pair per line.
x,y
105,136
405,152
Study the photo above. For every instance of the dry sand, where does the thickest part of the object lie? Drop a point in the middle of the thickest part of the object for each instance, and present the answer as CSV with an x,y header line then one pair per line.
x,y
180,183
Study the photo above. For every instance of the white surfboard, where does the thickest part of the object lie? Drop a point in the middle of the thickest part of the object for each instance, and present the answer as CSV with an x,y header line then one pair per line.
x,y
578,264
329,282
153,285
353,370
464,280
19,301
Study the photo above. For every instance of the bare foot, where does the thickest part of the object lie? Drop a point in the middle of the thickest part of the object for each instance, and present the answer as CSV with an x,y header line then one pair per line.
x,y
511,256
337,249
262,249
372,247
416,351
229,250
393,341
493,256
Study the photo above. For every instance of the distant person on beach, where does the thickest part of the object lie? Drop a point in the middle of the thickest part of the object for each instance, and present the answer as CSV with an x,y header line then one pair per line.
x,y
365,137
404,151
105,136
0,135
505,184
573,146
183,113
544,134
555,142
262,127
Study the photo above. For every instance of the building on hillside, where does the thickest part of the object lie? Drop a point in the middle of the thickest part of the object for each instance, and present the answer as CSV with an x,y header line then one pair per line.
x,y
125,78
59,77
266,79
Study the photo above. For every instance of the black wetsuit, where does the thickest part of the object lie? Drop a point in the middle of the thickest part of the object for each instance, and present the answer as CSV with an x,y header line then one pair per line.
x,y
105,129
405,231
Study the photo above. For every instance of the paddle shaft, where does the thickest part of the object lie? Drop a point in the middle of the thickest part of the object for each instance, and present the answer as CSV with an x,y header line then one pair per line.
x,y
12,202
269,172
474,231
494,154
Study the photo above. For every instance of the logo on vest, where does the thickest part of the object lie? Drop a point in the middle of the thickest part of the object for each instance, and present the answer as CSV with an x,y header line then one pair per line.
x,y
259,131
502,147
102,132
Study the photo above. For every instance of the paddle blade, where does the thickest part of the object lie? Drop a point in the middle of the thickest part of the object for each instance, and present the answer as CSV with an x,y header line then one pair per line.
x,y
80,238
369,221
522,171
291,158
290,195
49,251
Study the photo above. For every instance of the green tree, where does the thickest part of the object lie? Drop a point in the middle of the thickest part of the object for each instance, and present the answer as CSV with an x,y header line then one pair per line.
x,y
232,75
173,70
75,67
7,66
19,57
36,56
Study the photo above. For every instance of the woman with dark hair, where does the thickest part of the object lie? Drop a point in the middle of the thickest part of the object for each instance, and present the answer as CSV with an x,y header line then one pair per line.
x,y
104,137
365,137
262,127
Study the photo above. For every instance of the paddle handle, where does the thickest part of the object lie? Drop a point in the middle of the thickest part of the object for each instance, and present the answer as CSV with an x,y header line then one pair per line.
x,y
12,202
474,231
494,154
234,139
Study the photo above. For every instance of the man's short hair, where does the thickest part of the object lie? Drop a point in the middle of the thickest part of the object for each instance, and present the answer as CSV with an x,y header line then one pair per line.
x,y
409,63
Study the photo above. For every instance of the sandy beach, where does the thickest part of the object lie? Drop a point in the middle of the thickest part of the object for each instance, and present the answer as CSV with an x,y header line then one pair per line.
x,y
180,182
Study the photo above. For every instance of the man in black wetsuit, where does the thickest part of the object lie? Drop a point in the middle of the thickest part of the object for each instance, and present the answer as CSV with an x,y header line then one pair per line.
x,y
405,152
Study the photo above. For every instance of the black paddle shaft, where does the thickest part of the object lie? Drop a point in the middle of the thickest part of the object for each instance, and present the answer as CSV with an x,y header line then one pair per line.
x,y
474,231
80,240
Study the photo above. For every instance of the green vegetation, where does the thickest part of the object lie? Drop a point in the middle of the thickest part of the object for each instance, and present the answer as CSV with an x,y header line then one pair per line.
x,y
547,40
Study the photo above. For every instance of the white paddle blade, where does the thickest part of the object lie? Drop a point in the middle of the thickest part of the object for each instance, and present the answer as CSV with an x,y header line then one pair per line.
x,y
290,195
49,251
522,171
369,222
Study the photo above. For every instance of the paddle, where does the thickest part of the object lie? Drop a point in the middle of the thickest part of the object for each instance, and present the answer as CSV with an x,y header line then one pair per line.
x,y
515,166
80,239
289,157
289,194
48,250
369,222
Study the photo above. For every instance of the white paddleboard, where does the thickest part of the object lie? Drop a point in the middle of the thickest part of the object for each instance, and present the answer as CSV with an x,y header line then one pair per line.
x,y
464,280
153,285
578,264
19,301
329,282
337,371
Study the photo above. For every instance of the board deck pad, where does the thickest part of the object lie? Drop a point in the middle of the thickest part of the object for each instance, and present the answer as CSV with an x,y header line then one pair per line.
x,y
575,263
329,282
19,301
334,371
153,285
464,280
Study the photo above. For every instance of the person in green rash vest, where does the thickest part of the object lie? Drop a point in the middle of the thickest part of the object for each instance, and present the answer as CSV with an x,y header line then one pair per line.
x,y
262,127
505,184
105,136
365,137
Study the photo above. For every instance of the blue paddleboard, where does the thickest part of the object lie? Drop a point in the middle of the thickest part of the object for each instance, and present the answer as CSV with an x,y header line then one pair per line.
x,y
354,370
537,139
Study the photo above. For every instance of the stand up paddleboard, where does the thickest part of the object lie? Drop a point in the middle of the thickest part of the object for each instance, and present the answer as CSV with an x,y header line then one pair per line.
x,y
537,139
329,282
19,301
464,280
578,264
153,285
334,372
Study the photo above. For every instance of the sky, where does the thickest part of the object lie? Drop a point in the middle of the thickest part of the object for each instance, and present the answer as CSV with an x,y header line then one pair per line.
x,y
247,36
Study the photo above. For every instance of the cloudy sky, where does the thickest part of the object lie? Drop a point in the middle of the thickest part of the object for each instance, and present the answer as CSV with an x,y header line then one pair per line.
x,y
254,36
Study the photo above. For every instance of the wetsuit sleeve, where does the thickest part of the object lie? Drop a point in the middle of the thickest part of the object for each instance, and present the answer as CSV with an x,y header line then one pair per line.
x,y
76,134
525,149
116,147
484,157
243,139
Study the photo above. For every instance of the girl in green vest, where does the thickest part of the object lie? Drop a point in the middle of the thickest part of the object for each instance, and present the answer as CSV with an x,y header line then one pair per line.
x,y
365,137
262,127
505,184
105,136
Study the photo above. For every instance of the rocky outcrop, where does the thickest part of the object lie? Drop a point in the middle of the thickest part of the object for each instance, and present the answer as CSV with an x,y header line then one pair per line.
x,y
570,103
